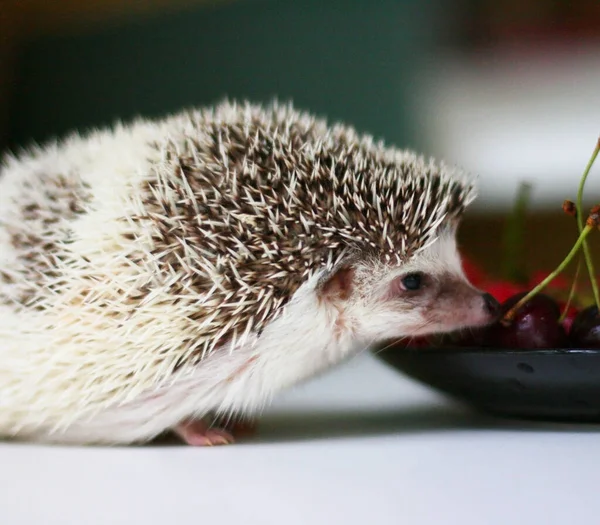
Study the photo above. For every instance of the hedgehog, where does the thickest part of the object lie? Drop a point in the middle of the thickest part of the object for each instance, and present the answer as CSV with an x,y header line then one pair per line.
x,y
174,275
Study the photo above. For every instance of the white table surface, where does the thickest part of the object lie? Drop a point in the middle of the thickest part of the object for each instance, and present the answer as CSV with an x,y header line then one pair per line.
x,y
359,445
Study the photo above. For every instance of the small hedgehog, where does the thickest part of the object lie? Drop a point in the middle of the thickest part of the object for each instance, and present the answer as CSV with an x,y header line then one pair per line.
x,y
160,274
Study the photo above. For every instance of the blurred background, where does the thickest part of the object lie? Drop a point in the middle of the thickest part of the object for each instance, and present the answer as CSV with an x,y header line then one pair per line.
x,y
507,90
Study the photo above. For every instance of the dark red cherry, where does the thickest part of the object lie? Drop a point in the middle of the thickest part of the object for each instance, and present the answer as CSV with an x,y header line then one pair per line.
x,y
535,325
570,316
585,330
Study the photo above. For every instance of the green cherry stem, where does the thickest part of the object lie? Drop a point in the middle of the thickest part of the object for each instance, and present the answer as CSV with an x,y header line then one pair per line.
x,y
586,249
571,291
508,317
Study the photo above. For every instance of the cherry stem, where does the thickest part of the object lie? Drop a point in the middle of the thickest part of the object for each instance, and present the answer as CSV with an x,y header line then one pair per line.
x,y
571,292
508,317
586,248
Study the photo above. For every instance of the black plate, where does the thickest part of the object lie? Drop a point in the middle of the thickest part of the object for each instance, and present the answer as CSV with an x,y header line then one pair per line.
x,y
554,385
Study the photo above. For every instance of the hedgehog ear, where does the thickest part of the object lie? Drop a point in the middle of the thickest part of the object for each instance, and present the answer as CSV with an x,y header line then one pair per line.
x,y
337,284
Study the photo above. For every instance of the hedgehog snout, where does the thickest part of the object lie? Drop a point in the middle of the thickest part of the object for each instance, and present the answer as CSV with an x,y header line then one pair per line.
x,y
491,304
480,308
457,304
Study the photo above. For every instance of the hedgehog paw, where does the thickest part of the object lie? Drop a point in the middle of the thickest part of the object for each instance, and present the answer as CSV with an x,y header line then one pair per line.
x,y
197,433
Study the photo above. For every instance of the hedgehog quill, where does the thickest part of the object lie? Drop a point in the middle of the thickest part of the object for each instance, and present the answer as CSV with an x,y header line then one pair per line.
x,y
159,274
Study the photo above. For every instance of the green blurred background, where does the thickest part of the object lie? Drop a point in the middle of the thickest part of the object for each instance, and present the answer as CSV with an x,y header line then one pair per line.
x,y
348,59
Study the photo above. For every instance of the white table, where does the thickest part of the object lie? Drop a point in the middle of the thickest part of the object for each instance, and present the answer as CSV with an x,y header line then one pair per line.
x,y
361,445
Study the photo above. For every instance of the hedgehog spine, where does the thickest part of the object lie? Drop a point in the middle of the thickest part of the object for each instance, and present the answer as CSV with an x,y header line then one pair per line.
x,y
149,272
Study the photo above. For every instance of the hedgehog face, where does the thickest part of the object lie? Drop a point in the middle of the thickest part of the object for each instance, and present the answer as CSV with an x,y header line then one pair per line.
x,y
427,294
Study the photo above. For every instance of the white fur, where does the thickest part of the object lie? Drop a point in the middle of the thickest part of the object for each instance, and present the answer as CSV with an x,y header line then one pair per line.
x,y
298,345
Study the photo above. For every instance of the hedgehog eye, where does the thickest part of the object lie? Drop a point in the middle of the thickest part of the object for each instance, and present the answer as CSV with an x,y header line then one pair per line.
x,y
412,281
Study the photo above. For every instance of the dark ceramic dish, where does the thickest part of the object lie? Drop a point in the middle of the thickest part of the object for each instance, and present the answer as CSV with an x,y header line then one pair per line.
x,y
553,385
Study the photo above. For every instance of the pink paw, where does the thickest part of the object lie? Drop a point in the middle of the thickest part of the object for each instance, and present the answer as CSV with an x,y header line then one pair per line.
x,y
198,434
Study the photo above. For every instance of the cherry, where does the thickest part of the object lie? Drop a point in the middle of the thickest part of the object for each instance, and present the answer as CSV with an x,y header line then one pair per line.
x,y
534,325
568,316
585,331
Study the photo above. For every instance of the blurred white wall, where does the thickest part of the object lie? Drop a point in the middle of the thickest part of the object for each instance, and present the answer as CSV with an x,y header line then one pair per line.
x,y
516,115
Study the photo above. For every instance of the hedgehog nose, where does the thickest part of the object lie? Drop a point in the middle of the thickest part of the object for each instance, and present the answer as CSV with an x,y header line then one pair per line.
x,y
491,305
